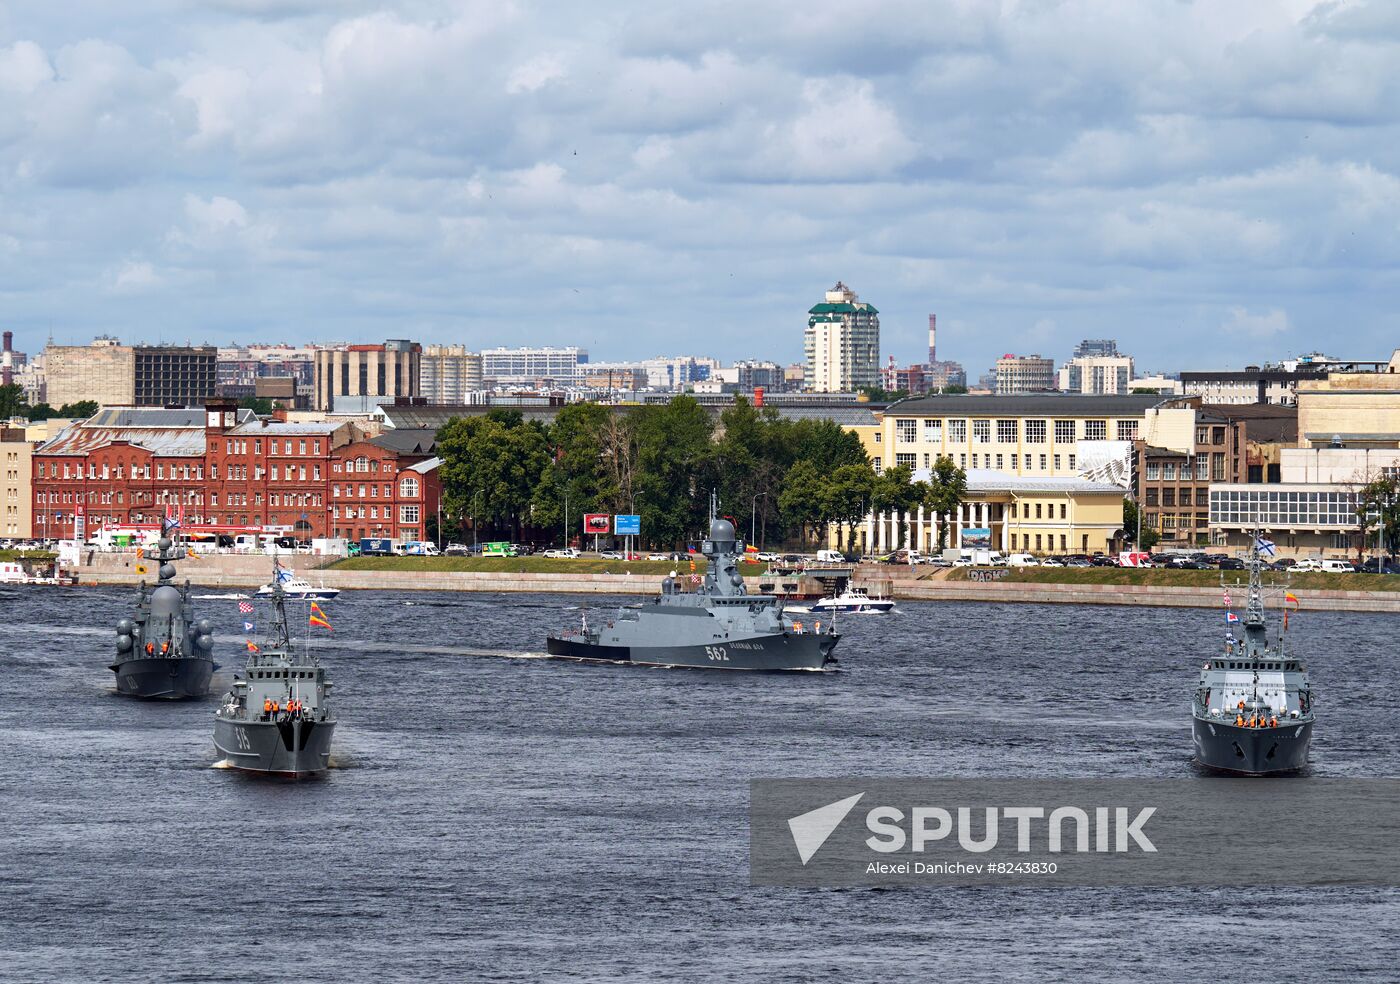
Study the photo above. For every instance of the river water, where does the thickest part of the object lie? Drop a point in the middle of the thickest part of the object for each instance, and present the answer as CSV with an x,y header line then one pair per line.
x,y
495,815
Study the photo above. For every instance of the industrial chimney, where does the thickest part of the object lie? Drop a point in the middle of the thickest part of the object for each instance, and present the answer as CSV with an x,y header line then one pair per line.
x,y
932,343
7,360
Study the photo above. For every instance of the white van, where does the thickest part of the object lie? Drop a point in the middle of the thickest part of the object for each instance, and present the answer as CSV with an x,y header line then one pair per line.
x,y
1336,567
830,557
1021,560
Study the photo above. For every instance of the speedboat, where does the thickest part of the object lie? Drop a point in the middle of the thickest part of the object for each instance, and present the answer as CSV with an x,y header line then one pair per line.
x,y
300,589
852,601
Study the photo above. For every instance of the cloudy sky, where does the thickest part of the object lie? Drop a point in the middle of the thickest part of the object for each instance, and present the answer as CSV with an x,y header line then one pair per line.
x,y
1212,183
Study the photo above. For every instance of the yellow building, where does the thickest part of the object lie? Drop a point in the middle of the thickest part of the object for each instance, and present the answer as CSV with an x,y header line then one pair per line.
x,y
1352,409
1012,514
1045,435
16,488
1044,472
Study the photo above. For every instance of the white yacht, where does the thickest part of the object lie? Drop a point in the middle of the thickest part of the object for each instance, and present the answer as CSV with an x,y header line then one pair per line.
x,y
298,588
852,601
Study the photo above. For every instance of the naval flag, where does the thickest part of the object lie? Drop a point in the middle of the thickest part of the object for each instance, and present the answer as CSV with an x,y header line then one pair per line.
x,y
1231,618
1264,545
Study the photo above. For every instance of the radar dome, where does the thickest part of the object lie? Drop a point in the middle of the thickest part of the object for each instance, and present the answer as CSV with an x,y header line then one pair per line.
x,y
721,529
205,642
164,543
125,626
165,603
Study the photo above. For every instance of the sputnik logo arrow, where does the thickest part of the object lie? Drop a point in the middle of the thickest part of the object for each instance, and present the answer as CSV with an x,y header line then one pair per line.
x,y
810,830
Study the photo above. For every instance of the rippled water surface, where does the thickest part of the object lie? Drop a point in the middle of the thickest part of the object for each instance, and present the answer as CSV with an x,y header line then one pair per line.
x,y
495,815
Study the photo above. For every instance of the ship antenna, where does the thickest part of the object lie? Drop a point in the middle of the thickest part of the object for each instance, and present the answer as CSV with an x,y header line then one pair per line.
x,y
279,609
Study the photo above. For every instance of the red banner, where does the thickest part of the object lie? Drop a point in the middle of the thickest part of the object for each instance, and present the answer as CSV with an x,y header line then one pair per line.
x,y
597,523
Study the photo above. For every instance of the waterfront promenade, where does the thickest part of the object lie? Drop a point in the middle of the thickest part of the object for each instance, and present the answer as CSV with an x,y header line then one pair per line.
x,y
239,572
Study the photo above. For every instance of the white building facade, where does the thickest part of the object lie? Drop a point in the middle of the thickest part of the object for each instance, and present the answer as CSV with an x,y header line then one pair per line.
x,y
842,343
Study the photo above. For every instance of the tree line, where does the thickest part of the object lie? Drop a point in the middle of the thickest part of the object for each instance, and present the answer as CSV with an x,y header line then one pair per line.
x,y
791,478
13,403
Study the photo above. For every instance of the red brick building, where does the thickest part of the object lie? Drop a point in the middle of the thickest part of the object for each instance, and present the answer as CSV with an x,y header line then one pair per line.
x,y
382,491
226,468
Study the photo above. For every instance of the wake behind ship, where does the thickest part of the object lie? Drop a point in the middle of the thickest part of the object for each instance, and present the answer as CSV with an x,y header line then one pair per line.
x,y
719,625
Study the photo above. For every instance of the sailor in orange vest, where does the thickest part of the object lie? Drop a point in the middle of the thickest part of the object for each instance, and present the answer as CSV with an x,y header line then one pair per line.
x,y
267,708
150,649
1239,720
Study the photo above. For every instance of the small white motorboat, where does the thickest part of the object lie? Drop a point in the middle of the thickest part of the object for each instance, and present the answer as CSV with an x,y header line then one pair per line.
x,y
300,589
852,601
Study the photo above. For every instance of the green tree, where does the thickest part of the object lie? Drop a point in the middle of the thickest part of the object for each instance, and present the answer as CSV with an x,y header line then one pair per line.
x,y
825,444
490,470
1130,527
12,402
944,493
674,469
80,410
953,389
1378,514
576,475
41,411
260,405
801,500
879,394
750,458
847,497
892,491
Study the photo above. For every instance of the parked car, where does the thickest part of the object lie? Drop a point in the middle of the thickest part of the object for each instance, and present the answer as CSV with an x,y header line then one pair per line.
x,y
768,558
659,556
1187,564
455,550
562,553
1078,562
1232,564
611,555
963,562
1052,562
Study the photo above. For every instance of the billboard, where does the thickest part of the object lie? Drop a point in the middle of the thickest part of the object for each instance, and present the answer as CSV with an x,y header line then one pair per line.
x,y
978,538
597,523
628,525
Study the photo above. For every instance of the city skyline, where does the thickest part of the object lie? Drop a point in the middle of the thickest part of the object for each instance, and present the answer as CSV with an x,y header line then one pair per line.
x,y
256,169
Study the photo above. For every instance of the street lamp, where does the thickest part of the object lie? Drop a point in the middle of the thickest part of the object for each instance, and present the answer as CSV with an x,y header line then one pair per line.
x,y
753,520
474,495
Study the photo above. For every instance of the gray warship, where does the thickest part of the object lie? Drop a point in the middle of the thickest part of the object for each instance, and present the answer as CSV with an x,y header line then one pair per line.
x,y
716,626
1252,713
276,719
163,652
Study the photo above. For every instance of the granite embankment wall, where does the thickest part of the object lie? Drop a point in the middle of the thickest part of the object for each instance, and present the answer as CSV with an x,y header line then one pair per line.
x,y
227,571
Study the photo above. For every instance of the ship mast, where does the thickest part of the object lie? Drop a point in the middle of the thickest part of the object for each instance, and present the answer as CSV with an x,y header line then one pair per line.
x,y
278,636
